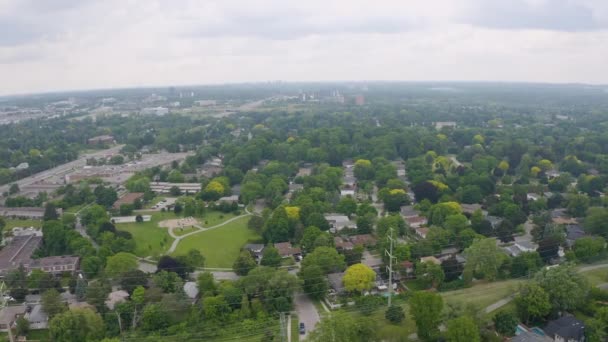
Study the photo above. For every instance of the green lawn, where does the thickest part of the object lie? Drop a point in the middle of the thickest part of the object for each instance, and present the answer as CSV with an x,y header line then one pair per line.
x,y
212,218
150,239
482,295
222,245
387,331
184,231
39,335
295,328
12,223
597,276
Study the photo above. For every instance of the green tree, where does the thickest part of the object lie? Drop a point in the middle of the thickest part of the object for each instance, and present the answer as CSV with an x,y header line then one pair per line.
x,y
426,307
589,248
244,263
308,238
394,314
532,302
52,303
120,263
50,212
154,317
206,284
23,326
527,263
567,290
462,329
271,257
595,221
327,258
505,323
76,325
347,206
577,205
483,259
358,277
430,274
169,282
364,170
456,223
314,282
343,327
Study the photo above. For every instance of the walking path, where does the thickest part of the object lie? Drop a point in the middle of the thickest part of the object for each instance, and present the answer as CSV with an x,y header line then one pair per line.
x,y
200,230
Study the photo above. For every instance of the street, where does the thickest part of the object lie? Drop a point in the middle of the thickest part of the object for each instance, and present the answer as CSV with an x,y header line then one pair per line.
x,y
307,313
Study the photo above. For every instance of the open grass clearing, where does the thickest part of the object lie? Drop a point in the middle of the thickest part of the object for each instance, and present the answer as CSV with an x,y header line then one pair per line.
x,y
150,239
12,223
212,218
597,276
184,231
220,246
483,294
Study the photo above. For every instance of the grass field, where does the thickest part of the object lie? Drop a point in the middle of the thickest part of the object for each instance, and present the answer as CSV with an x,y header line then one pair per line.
x,y
482,295
386,330
213,218
150,239
295,328
184,231
12,223
597,276
220,246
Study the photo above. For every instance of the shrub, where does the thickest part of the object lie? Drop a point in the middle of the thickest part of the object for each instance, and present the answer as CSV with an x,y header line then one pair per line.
x,y
394,314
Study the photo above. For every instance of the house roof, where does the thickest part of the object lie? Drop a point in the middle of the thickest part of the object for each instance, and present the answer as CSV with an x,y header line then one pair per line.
x,y
422,231
574,232
430,259
115,298
342,243
254,247
128,199
190,289
19,251
37,314
408,211
363,239
335,281
566,327
7,315
55,261
470,208
285,249
416,219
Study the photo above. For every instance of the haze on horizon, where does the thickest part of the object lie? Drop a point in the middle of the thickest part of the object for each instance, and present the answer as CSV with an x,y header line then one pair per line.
x,y
84,44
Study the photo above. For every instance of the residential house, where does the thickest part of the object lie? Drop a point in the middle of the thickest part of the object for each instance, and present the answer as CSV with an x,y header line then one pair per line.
x,y
115,298
256,249
337,222
566,329
9,315
494,221
469,209
416,221
431,259
286,250
56,264
191,290
342,243
365,240
335,282
422,232
573,233
36,316
520,247
18,252
347,192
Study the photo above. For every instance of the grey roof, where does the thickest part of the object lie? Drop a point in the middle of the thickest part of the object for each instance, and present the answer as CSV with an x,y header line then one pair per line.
x,y
254,247
335,281
191,289
574,232
528,336
37,315
527,244
408,211
566,327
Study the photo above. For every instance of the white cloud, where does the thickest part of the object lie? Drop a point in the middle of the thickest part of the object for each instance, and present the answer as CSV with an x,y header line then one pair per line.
x,y
91,44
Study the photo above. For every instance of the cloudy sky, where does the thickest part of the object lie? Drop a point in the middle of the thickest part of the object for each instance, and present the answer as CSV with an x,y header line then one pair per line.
x,y
48,45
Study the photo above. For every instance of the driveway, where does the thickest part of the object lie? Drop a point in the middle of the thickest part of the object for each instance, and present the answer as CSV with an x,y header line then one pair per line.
x,y
307,313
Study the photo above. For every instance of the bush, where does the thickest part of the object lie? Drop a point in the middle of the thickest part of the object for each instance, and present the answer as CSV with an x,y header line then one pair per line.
x,y
453,285
505,323
394,314
368,304
139,218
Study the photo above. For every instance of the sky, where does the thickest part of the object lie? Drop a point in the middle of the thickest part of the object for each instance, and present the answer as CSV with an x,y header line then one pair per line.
x,y
59,45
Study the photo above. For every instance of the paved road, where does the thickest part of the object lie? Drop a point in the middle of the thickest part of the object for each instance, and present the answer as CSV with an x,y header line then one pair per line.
x,y
307,313
200,230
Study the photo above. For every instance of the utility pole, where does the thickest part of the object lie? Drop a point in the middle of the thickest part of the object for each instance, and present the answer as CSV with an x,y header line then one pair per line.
x,y
283,327
390,266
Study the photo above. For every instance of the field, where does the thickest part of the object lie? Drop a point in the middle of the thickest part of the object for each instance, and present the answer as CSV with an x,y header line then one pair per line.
x,y
222,245
150,239
184,231
212,218
12,223
597,276
482,295
386,330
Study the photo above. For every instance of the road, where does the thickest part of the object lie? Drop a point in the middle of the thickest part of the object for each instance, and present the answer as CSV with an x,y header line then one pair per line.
x,y
61,169
307,313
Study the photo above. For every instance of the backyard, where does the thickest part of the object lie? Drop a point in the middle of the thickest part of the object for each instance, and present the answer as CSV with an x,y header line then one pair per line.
x,y
222,245
12,223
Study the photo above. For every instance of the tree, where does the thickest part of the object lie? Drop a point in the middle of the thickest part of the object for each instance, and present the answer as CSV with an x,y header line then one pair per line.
x,y
394,314
52,303
169,282
505,231
139,218
577,205
120,263
308,238
177,265
567,290
394,199
271,257
483,259
327,258
364,170
548,248
532,302
343,327
347,206
23,326
358,277
13,189
76,325
527,263
589,248
462,329
256,223
50,212
314,282
456,223
154,317
595,221
505,323
426,307
244,263
206,284
365,224
430,274
133,278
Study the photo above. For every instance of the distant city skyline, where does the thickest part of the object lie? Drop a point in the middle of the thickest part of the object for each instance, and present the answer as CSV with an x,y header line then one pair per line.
x,y
78,45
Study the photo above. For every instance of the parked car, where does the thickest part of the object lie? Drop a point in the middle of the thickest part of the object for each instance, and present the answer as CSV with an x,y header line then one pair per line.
x,y
302,328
